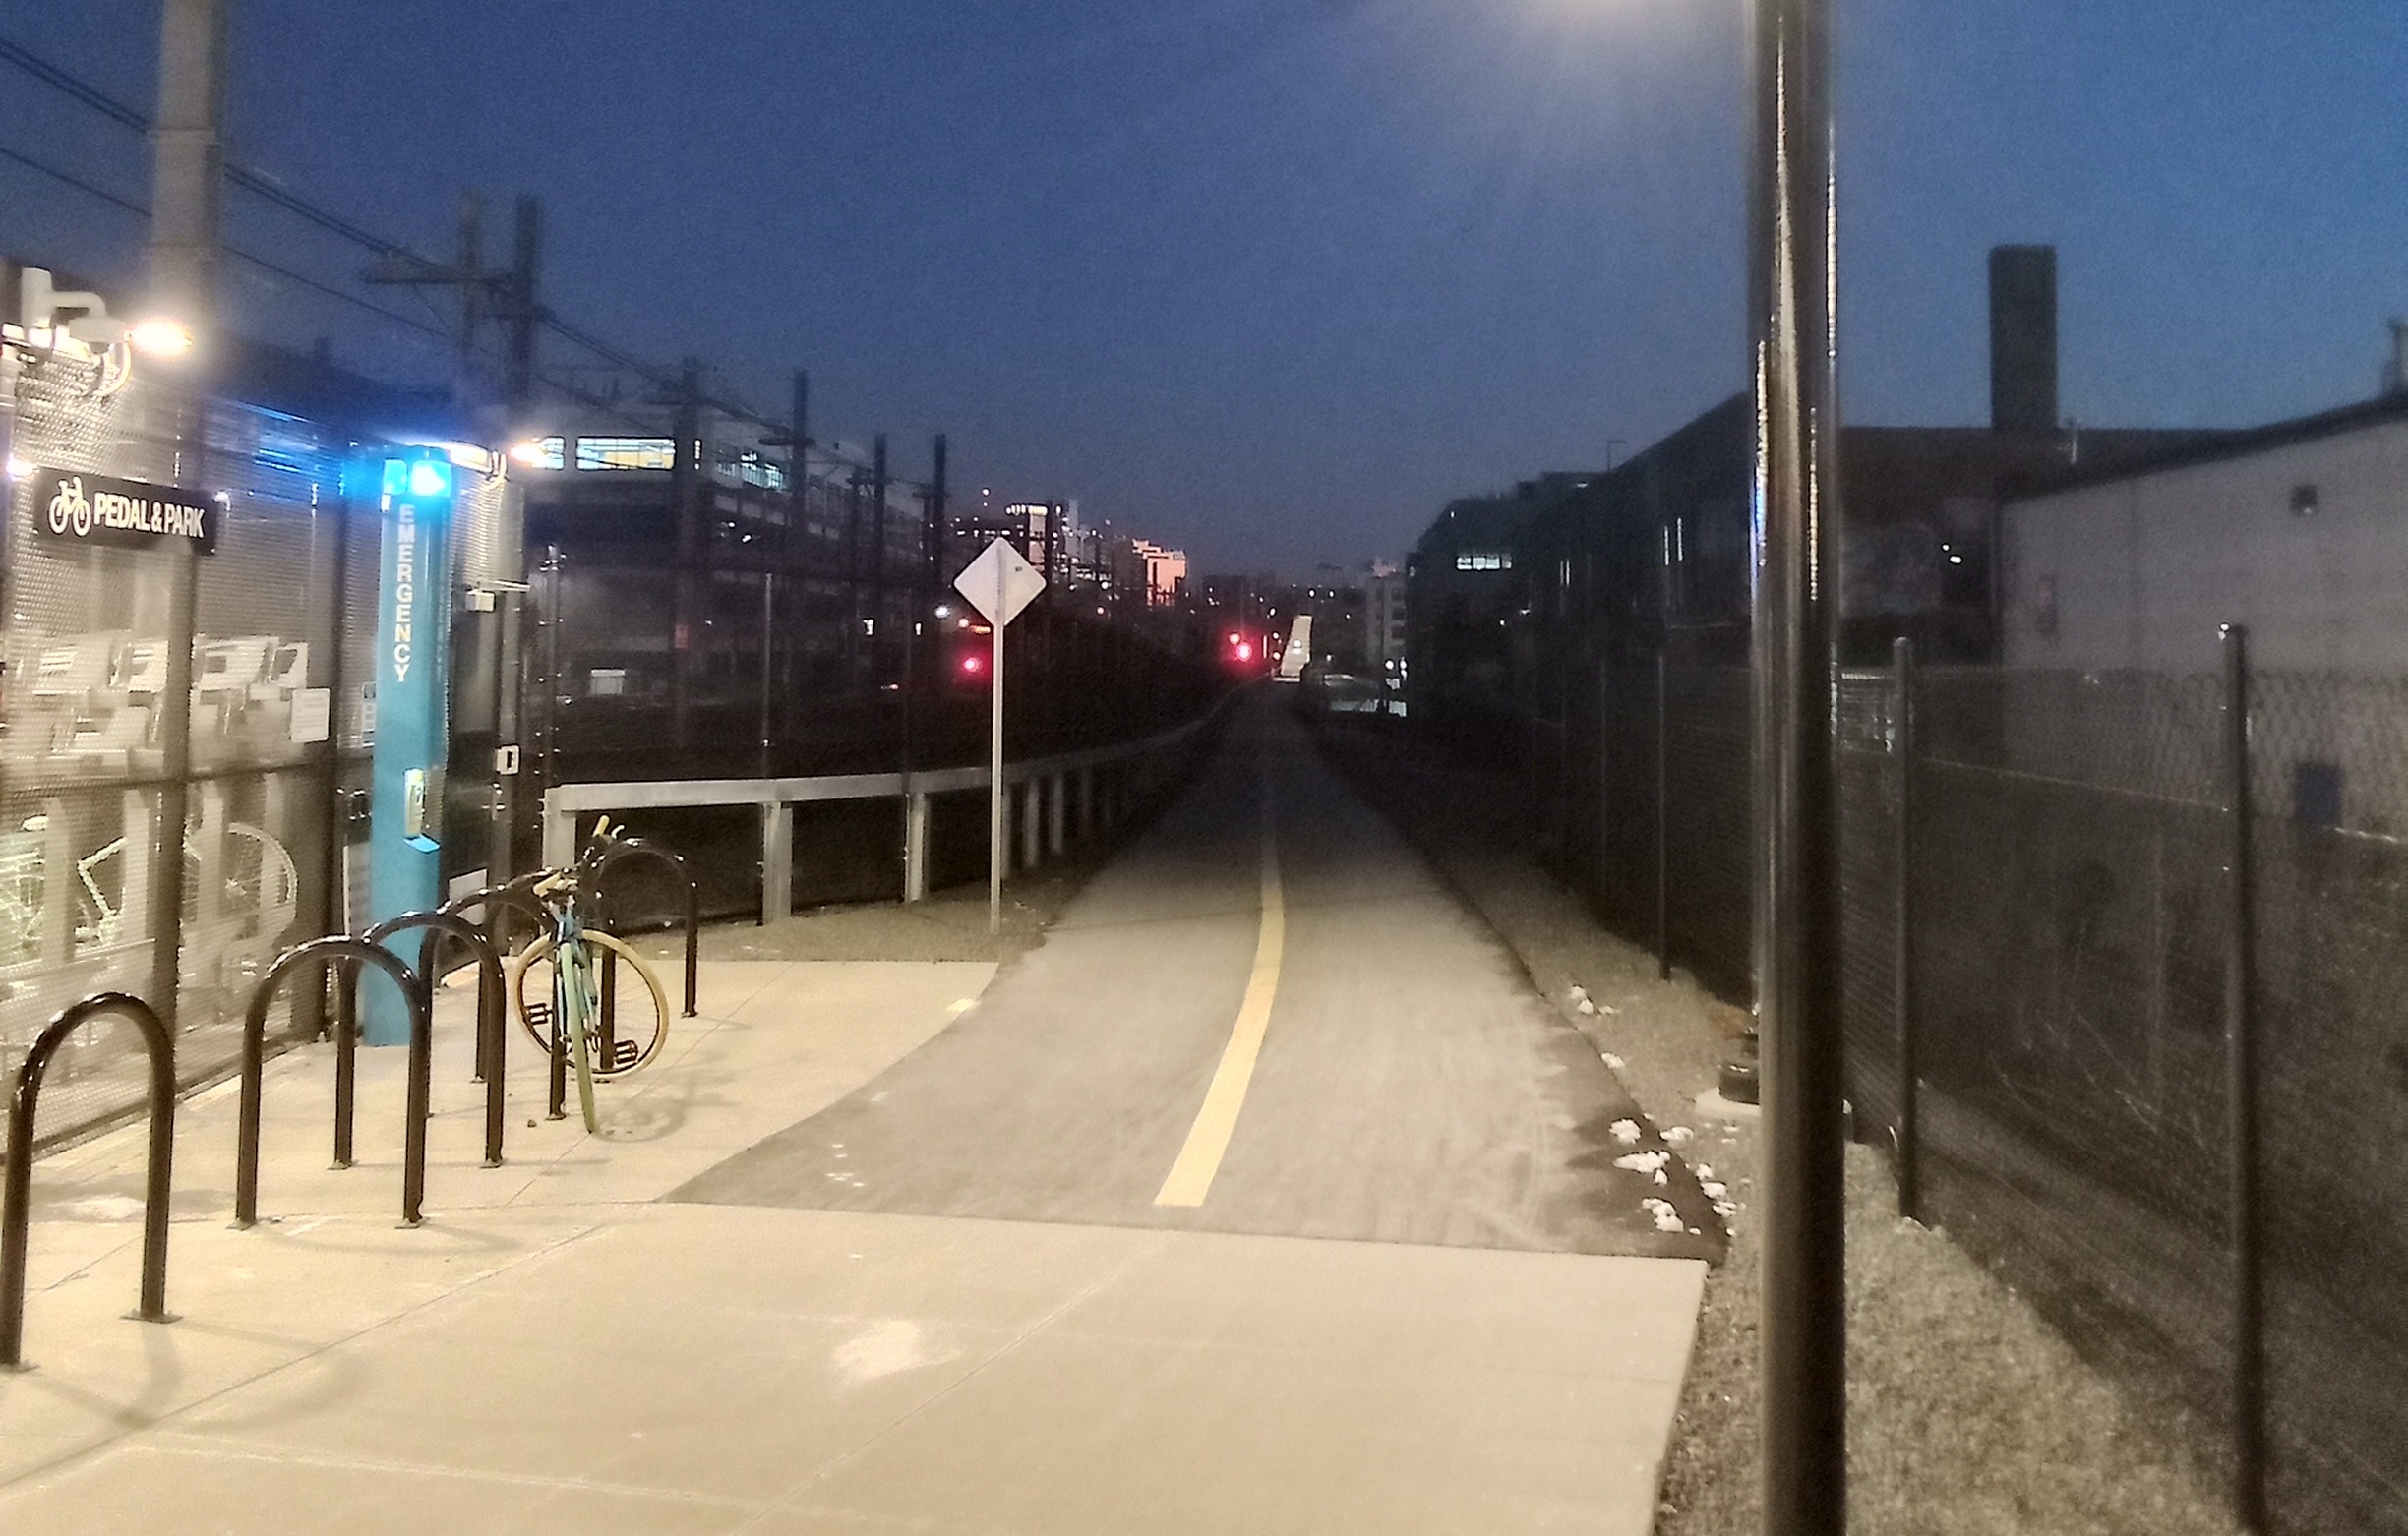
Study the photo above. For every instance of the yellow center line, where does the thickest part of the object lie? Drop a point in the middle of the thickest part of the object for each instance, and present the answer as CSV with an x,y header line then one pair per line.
x,y
1208,1140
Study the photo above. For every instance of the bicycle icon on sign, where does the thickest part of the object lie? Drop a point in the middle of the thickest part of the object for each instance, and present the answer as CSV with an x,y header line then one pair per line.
x,y
70,507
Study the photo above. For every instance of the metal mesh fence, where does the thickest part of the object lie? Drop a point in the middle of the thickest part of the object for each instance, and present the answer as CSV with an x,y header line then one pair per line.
x,y
89,771
2068,886
1708,874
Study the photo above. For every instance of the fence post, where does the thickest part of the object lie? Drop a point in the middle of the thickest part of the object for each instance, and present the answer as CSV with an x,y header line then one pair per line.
x,y
2241,1060
1605,786
777,861
1057,818
1910,1073
1032,822
1664,816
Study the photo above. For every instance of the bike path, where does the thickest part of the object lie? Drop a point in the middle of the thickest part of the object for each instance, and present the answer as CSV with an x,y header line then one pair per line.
x,y
1410,1086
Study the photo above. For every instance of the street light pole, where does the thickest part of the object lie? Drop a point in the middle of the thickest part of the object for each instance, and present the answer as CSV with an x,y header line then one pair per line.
x,y
1795,527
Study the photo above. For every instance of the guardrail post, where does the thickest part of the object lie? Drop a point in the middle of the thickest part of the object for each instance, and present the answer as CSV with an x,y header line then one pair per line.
x,y
1032,823
915,848
15,1198
1057,814
777,861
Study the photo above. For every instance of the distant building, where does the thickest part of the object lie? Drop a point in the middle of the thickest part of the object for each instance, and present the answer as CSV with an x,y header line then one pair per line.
x,y
1383,625
1465,589
2298,530
1165,574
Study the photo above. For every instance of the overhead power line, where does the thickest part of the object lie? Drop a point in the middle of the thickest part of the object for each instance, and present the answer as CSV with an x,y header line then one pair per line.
x,y
249,178
89,189
267,189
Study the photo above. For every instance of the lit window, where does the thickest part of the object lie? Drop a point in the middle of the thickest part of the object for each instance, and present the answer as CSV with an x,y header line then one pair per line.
x,y
1473,560
627,453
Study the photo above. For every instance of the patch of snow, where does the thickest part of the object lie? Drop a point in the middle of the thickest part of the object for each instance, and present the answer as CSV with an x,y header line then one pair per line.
x,y
1644,1162
1667,1220
1678,1135
1613,1063
1713,1189
1586,1007
888,1349
1624,1131
103,1208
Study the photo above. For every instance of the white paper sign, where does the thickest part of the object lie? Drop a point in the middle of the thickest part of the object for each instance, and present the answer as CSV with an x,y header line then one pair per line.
x,y
999,584
313,715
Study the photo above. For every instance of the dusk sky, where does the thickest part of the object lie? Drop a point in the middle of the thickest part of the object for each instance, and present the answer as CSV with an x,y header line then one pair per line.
x,y
1273,279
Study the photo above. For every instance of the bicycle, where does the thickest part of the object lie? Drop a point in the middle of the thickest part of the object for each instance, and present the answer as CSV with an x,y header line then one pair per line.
x,y
576,1001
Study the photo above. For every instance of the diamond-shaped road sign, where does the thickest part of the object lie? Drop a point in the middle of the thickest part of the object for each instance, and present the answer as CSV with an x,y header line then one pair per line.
x,y
999,584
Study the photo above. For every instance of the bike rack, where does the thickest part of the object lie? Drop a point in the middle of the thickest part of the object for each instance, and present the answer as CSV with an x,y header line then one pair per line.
x,y
517,896
328,952
644,847
492,1014
16,1200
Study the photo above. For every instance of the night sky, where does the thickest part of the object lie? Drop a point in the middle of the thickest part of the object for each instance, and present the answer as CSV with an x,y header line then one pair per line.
x,y
1272,278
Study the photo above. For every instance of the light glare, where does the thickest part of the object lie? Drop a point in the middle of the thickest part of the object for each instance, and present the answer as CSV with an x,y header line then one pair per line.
x,y
161,337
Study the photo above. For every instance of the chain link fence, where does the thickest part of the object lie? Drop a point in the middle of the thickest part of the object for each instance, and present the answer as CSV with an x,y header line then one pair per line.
x,y
2039,906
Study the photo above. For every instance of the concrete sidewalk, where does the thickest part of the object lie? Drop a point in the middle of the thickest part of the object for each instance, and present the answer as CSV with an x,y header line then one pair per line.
x,y
557,1351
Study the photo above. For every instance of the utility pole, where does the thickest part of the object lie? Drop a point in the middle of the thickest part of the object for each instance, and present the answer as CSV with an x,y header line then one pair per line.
x,y
853,602
522,309
509,297
687,487
934,546
795,440
188,165
1796,548
877,558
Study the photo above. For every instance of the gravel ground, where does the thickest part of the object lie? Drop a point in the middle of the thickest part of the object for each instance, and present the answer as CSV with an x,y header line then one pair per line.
x,y
1967,1413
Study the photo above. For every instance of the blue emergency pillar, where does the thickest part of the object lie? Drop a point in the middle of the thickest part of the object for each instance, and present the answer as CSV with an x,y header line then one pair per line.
x,y
413,713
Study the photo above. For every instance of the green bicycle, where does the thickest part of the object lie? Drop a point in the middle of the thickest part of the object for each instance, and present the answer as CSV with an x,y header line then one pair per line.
x,y
570,989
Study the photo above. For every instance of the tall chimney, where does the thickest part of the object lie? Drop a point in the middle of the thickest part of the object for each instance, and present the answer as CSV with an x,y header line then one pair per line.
x,y
2023,339
187,162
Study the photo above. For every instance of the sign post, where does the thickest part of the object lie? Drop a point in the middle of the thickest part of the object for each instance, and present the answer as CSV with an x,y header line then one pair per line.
x,y
999,584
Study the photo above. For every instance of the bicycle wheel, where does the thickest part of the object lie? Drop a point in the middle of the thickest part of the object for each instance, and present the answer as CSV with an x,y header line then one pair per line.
x,y
630,1025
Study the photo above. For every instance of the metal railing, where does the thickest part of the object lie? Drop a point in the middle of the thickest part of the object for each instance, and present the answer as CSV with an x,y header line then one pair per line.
x,y
1105,779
